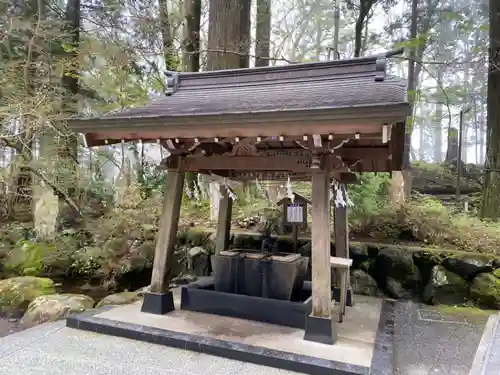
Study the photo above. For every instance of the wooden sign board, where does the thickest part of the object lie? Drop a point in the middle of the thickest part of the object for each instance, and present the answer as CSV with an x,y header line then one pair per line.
x,y
295,213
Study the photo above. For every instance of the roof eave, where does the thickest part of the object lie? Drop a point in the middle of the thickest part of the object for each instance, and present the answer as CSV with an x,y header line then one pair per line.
x,y
358,112
366,119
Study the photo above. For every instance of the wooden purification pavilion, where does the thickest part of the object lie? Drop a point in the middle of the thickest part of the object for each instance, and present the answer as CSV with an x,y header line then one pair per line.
x,y
318,121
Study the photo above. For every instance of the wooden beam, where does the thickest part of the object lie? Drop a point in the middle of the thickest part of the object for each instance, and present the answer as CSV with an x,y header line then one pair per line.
x,y
232,183
320,253
167,234
294,160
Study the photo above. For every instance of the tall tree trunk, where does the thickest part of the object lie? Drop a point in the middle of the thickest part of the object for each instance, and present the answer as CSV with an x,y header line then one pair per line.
x,y
33,12
452,147
365,7
169,55
483,121
319,37
336,31
245,39
191,42
227,37
263,33
191,50
401,180
262,49
438,124
490,207
68,144
422,148
228,47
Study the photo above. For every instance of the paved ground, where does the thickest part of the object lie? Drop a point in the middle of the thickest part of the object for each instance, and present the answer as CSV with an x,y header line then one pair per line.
x,y
430,342
53,349
425,343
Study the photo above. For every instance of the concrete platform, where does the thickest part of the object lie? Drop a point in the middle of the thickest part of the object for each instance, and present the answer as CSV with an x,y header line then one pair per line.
x,y
364,343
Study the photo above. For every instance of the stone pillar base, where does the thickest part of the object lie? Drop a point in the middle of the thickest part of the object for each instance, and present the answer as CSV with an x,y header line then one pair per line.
x,y
322,330
158,303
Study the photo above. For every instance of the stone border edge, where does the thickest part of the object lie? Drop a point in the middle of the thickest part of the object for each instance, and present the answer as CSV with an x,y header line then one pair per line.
x,y
483,349
382,361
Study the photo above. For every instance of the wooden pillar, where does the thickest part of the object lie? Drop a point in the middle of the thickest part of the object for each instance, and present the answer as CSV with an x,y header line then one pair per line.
x,y
223,233
320,253
319,325
341,230
295,236
160,300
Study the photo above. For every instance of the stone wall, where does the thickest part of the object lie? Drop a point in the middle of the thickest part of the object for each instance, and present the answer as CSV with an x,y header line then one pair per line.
x,y
432,276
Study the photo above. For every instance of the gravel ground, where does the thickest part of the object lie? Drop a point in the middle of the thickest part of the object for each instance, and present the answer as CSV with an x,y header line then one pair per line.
x,y
53,349
430,342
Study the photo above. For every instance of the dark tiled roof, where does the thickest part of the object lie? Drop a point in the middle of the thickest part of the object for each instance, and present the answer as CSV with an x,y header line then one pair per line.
x,y
320,85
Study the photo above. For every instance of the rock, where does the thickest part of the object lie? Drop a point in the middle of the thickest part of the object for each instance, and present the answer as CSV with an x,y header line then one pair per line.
x,y
195,251
305,250
366,266
494,263
363,283
372,250
398,265
425,262
145,289
56,306
485,289
16,293
27,258
468,269
445,287
358,254
184,279
396,290
199,261
122,298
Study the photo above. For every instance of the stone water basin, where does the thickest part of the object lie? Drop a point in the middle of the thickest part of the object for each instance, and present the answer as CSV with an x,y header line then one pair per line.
x,y
253,273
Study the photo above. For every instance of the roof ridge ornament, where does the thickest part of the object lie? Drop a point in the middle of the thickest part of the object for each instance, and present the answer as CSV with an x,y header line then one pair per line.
x,y
381,63
173,79
380,66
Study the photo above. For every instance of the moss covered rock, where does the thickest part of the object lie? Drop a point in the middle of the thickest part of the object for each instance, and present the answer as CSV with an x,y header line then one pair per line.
x,y
56,306
485,289
27,258
445,287
398,265
17,292
363,283
122,298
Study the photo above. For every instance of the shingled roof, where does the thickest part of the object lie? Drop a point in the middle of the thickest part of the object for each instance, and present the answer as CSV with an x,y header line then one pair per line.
x,y
317,86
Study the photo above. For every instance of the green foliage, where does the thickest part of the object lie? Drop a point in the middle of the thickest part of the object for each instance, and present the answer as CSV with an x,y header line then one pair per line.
x,y
150,179
427,220
368,197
